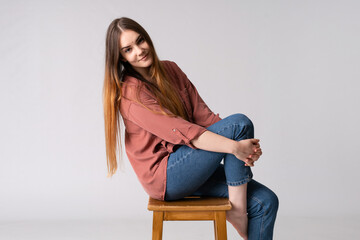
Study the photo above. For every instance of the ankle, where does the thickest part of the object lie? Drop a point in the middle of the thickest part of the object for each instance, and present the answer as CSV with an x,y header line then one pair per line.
x,y
236,213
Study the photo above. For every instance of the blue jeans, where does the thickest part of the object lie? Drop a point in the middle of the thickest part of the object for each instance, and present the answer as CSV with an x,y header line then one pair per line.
x,y
202,173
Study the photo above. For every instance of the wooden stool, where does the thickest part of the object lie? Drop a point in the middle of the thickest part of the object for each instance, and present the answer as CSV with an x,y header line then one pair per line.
x,y
189,209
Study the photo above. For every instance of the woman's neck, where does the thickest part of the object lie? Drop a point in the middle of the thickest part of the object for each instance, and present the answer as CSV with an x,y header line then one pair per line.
x,y
144,72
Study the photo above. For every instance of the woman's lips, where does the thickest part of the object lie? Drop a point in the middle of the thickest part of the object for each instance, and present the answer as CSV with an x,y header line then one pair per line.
x,y
144,57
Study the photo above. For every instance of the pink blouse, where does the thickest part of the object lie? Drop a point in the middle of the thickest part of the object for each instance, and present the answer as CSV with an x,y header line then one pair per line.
x,y
150,137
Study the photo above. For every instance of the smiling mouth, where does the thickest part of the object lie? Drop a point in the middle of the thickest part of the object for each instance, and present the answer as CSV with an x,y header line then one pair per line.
x,y
144,57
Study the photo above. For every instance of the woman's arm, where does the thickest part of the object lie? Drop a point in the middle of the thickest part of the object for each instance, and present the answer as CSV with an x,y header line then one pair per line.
x,y
247,150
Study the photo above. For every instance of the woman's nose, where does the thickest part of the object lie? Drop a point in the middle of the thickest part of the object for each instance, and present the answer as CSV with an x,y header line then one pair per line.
x,y
139,51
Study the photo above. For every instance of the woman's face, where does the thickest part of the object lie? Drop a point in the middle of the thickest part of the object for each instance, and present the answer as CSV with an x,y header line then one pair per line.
x,y
135,50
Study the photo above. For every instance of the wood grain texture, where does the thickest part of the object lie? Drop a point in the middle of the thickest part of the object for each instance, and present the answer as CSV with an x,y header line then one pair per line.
x,y
190,204
189,216
220,225
190,209
157,225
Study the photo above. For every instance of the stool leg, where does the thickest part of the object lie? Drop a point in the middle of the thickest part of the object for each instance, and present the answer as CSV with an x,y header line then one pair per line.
x,y
158,218
220,225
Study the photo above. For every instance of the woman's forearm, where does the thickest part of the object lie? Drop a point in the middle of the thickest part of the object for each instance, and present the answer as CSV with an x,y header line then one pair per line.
x,y
210,141
247,150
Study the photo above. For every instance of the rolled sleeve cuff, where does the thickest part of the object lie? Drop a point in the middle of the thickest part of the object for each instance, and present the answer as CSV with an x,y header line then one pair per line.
x,y
191,134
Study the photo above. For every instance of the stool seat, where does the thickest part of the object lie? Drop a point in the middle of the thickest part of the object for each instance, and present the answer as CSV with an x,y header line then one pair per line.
x,y
190,209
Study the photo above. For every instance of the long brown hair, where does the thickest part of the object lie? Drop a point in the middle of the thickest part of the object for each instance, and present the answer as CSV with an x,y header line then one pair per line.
x,y
115,71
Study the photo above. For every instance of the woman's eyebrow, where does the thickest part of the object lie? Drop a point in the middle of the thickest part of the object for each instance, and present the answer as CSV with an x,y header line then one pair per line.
x,y
137,40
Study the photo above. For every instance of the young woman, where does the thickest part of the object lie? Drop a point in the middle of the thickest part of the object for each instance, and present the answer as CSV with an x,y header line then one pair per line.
x,y
173,141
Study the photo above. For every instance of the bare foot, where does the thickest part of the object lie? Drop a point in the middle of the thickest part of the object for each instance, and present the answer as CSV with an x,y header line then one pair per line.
x,y
240,222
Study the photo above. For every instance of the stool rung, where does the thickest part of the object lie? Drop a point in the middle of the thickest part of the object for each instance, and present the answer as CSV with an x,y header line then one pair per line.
x,y
190,209
183,216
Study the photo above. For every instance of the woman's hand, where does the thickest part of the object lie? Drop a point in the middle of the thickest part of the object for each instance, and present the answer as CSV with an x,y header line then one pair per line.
x,y
248,150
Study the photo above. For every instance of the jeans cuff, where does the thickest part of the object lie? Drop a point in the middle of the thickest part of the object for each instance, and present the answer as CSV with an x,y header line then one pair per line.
x,y
241,182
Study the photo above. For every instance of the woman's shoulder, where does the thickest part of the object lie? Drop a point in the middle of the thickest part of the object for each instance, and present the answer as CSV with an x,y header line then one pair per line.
x,y
176,73
170,65
173,69
133,90
129,88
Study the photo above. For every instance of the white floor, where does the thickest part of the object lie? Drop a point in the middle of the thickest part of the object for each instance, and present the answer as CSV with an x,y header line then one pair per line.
x,y
287,228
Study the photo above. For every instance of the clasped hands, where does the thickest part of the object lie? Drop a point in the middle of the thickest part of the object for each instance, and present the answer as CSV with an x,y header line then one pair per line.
x,y
248,150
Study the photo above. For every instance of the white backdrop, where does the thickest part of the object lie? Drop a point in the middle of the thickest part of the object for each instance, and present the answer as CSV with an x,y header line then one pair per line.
x,y
291,66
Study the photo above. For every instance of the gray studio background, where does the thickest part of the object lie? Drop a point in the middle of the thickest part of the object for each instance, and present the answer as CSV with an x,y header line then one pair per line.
x,y
291,66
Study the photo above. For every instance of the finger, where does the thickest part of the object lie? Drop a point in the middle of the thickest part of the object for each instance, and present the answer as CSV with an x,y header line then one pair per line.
x,y
247,162
256,146
251,156
250,162
256,156
258,151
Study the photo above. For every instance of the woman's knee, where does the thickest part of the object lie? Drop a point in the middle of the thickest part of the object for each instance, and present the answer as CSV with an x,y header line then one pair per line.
x,y
272,202
264,201
244,123
241,119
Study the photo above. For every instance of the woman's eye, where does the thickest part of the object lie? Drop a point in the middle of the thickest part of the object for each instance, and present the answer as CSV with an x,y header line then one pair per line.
x,y
127,50
141,39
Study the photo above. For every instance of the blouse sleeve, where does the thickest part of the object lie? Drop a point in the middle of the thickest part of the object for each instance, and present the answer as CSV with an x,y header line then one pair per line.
x,y
201,112
172,129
